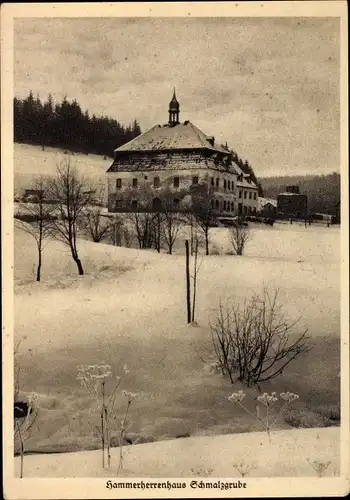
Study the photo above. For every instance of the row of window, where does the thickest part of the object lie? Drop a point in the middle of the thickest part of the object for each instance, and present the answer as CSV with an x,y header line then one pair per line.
x,y
227,184
227,206
246,210
156,182
251,194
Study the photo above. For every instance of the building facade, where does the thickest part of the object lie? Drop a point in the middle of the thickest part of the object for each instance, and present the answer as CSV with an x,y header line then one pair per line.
x,y
247,193
178,161
292,204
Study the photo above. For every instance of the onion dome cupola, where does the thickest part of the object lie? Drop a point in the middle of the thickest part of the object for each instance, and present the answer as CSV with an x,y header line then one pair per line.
x,y
174,110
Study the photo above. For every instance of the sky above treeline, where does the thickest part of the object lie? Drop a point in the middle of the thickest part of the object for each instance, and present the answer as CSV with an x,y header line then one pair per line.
x,y
269,87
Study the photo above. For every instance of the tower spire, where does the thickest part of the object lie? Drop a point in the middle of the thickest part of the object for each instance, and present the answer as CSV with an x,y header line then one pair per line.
x,y
174,110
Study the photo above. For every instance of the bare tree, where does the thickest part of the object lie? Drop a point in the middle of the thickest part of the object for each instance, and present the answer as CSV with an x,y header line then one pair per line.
x,y
72,195
204,213
37,219
239,235
143,224
255,340
97,225
171,222
196,267
94,221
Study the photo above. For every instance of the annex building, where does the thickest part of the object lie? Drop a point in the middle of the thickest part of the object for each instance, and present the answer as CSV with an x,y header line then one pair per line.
x,y
178,161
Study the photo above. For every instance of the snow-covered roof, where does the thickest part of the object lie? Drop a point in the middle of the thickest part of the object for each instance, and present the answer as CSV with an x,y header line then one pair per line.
x,y
169,137
264,201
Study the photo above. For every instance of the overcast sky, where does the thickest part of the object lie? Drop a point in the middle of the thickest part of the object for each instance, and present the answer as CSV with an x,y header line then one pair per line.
x,y
269,87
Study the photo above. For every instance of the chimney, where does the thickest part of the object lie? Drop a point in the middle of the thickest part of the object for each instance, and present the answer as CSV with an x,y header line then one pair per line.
x,y
211,140
292,189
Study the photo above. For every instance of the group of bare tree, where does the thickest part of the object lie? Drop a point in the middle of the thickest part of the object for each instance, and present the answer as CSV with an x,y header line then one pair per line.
x,y
62,207
66,206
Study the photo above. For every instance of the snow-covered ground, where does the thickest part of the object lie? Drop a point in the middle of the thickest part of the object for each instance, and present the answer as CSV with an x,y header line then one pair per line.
x,y
129,308
290,454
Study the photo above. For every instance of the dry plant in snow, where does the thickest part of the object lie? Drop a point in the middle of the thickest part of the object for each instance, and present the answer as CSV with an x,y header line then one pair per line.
x,y
202,471
244,468
319,466
95,378
268,401
25,413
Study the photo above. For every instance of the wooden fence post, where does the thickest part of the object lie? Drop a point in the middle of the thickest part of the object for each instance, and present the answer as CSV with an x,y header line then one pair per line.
x,y
188,290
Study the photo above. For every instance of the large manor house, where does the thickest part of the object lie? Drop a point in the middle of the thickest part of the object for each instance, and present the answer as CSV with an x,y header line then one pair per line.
x,y
178,161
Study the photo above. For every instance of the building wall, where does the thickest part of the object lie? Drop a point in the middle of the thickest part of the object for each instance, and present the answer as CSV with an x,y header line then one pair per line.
x,y
268,210
135,185
292,205
247,199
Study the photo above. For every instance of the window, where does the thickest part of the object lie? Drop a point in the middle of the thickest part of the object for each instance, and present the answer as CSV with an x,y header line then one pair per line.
x,y
212,203
244,210
216,203
176,202
217,182
240,193
156,182
134,204
224,204
195,180
176,182
224,183
232,186
145,177
254,196
232,206
118,203
119,183
250,195
245,194
212,181
134,183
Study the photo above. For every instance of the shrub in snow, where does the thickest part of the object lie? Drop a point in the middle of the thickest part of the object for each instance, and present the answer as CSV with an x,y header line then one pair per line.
x,y
254,340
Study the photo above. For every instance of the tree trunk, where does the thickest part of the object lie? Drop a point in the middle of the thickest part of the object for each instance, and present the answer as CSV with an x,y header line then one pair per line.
x,y
206,242
38,271
188,283
158,233
194,280
80,266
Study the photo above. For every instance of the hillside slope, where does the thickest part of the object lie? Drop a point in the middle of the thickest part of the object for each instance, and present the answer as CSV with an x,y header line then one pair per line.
x,y
30,161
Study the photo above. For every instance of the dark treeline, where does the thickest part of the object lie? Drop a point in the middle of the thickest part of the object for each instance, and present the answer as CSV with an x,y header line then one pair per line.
x,y
323,191
66,125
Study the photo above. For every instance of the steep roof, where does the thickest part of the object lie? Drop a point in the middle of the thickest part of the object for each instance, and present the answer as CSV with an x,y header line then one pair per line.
x,y
169,137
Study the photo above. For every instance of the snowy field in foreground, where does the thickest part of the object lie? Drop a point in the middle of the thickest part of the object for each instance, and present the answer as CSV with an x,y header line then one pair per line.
x,y
129,308
286,456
